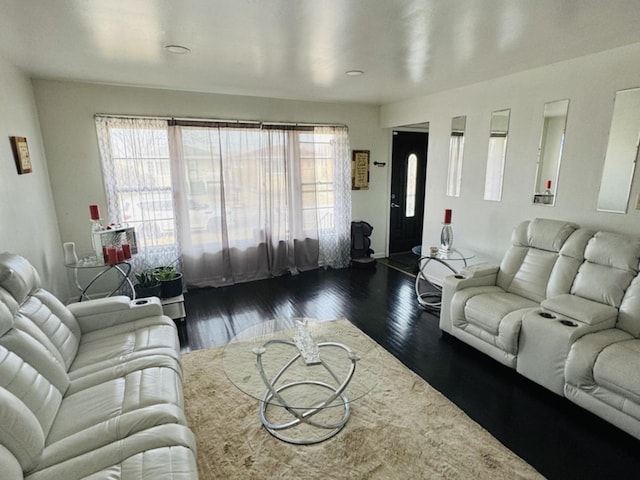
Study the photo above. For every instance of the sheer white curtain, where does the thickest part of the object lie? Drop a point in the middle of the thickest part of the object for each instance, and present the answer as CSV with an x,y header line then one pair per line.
x,y
256,202
233,203
332,195
135,162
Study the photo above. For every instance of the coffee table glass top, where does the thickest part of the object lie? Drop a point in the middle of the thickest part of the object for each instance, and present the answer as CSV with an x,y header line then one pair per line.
x,y
341,347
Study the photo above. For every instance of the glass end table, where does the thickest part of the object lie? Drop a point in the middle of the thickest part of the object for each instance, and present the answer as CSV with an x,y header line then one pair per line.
x,y
453,260
305,374
122,269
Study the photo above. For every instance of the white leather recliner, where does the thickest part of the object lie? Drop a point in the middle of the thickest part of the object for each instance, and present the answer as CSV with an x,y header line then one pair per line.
x,y
563,309
90,390
602,371
484,306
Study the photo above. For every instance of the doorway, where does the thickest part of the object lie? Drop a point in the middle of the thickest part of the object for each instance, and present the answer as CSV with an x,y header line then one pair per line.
x,y
408,175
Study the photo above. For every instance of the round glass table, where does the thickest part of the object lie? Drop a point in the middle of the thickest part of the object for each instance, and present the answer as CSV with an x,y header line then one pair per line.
x,y
122,270
305,374
453,260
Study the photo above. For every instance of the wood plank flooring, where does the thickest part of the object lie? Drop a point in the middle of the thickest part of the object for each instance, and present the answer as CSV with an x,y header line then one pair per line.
x,y
557,437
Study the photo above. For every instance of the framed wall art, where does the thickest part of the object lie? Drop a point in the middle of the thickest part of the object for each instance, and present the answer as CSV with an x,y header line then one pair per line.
x,y
360,170
21,154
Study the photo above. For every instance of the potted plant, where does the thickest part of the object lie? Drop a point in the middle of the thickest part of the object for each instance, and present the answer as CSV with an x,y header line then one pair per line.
x,y
147,285
170,281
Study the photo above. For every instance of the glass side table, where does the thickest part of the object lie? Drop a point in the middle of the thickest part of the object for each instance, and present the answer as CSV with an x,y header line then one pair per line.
x,y
122,270
453,260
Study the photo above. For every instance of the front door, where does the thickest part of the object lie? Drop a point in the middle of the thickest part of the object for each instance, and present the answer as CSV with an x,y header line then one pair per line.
x,y
408,175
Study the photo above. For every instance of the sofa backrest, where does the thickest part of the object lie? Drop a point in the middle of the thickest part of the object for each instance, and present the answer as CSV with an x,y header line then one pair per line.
x,y
20,432
39,340
528,264
608,274
32,384
60,330
610,264
629,312
570,257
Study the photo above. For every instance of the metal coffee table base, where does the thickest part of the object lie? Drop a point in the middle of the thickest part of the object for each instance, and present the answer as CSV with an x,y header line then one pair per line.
x,y
336,399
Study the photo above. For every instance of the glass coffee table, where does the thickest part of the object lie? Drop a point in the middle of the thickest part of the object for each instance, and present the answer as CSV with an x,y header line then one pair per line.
x,y
305,374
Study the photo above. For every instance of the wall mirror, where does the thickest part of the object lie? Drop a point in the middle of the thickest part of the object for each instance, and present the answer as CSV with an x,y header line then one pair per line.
x,y
499,132
456,153
554,123
622,152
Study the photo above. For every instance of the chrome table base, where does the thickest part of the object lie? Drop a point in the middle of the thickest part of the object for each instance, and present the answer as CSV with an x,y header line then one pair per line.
x,y
305,425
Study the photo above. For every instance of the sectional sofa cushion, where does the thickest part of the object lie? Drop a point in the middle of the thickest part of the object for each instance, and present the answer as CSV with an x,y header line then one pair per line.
x,y
529,262
113,346
604,365
163,452
629,313
610,266
21,433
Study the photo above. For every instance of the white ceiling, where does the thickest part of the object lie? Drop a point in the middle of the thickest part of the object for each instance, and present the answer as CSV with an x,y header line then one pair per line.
x,y
300,49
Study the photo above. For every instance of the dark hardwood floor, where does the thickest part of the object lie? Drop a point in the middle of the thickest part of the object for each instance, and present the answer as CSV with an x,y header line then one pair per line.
x,y
558,438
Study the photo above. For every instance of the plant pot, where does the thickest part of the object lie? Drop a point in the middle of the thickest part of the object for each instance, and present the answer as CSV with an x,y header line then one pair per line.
x,y
152,291
171,288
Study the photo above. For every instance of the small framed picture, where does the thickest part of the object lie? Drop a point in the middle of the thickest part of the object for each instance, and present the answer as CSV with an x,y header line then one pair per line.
x,y
21,154
360,170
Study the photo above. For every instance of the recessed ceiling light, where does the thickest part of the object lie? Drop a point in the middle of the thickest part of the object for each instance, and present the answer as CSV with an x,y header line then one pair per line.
x,y
177,49
354,73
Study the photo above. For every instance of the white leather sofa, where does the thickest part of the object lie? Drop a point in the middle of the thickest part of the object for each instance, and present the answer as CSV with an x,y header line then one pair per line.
x,y
92,390
563,309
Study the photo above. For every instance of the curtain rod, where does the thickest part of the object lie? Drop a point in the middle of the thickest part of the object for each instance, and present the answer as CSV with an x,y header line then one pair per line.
x,y
219,120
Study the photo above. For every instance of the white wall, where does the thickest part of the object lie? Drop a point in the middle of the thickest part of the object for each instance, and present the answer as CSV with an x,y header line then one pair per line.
x,y
66,112
589,82
27,216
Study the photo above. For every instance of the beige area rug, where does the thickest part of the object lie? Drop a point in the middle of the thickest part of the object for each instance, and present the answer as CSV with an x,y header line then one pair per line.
x,y
403,429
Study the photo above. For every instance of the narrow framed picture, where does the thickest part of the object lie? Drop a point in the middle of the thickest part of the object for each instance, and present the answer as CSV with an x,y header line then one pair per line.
x,y
21,154
360,170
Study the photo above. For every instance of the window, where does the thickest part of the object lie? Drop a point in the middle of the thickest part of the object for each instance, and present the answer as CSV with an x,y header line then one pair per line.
x,y
412,179
234,201
136,166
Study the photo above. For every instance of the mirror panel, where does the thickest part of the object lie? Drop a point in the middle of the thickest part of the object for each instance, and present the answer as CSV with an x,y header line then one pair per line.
x,y
554,123
497,154
622,152
456,153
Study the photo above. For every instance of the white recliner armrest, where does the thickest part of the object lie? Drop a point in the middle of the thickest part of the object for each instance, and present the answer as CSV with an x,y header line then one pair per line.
x,y
479,275
583,310
107,312
584,353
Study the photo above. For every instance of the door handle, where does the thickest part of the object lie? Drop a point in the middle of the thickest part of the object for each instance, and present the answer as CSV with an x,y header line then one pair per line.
x,y
394,205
